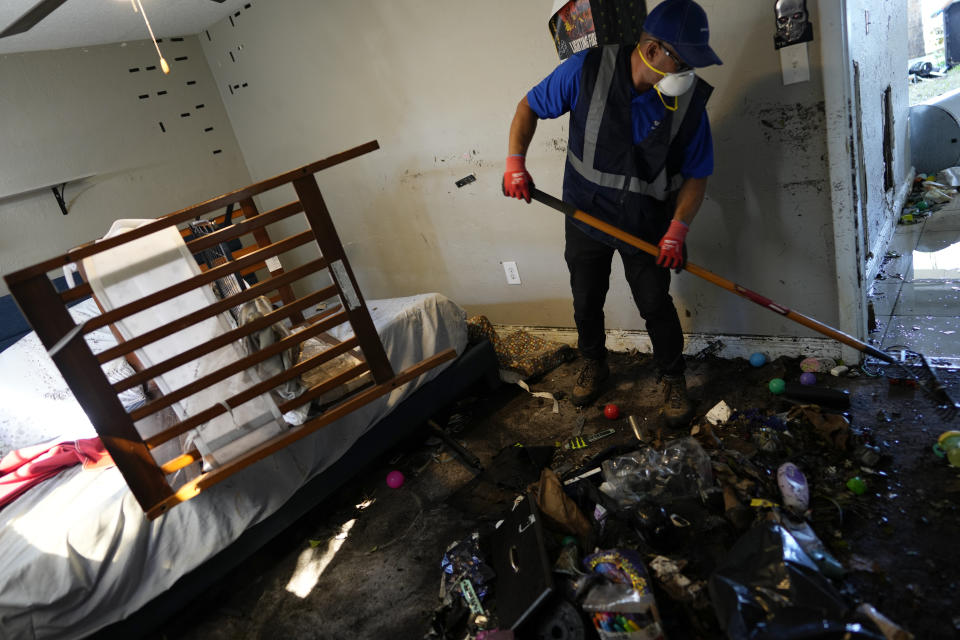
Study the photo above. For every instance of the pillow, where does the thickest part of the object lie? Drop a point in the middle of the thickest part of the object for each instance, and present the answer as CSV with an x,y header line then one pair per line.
x,y
36,405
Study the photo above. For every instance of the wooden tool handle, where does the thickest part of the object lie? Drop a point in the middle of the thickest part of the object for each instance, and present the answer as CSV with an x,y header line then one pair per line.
x,y
572,212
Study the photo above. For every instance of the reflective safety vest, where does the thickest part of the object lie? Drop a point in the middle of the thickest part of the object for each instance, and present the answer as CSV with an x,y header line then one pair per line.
x,y
631,186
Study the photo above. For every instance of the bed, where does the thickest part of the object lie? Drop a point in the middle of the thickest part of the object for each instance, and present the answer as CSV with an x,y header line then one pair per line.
x,y
79,554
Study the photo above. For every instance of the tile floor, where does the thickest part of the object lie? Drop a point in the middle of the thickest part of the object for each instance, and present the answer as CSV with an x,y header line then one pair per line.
x,y
916,298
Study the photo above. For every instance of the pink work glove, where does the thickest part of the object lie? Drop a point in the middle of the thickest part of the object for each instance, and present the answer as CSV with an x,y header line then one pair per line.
x,y
671,246
516,180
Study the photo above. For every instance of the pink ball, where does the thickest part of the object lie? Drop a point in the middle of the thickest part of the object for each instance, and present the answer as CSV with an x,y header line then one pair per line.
x,y
808,378
395,479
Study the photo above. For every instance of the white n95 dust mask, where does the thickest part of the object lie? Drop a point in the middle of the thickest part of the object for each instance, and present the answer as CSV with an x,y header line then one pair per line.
x,y
671,85
676,84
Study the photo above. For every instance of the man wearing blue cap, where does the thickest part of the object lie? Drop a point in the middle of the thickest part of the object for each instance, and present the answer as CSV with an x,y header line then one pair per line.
x,y
638,156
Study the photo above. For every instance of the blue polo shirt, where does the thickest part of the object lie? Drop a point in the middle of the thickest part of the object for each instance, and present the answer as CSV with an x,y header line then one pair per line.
x,y
557,94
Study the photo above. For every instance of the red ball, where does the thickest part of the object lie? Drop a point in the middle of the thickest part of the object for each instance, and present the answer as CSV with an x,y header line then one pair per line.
x,y
611,411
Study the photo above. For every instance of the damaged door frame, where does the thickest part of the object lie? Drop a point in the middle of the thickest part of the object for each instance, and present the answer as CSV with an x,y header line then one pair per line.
x,y
858,256
844,161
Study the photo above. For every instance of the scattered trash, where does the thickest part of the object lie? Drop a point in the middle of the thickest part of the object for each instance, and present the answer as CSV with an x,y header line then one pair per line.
x,y
719,414
833,428
669,574
681,469
811,544
639,432
771,493
559,511
793,487
867,455
462,561
890,630
622,600
823,396
768,587
511,376
582,442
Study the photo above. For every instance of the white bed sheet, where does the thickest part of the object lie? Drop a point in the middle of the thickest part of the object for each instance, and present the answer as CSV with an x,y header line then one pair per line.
x,y
77,553
36,404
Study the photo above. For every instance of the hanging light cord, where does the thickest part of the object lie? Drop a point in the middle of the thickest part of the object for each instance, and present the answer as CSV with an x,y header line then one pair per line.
x,y
163,63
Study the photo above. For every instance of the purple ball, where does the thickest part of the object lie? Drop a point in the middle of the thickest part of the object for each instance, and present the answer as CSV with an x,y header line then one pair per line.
x,y
808,378
395,479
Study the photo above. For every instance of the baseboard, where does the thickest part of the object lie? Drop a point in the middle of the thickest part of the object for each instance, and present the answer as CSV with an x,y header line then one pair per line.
x,y
729,347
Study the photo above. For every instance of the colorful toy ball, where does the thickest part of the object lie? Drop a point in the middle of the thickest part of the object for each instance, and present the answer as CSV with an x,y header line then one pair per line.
x,y
395,479
611,412
776,386
808,377
758,359
810,364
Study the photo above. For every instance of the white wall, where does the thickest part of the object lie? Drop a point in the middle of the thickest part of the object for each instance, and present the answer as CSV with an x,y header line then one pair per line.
x,y
877,40
437,83
72,113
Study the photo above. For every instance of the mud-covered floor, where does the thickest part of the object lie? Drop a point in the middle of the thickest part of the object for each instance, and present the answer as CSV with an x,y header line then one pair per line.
x,y
367,564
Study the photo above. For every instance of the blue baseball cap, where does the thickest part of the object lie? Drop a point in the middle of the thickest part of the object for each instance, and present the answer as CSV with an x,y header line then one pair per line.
x,y
683,25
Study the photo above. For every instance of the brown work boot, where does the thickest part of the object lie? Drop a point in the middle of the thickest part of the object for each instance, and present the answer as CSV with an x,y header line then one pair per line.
x,y
676,409
587,387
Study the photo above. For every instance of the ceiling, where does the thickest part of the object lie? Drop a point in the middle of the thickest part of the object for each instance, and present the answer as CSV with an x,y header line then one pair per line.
x,y
79,23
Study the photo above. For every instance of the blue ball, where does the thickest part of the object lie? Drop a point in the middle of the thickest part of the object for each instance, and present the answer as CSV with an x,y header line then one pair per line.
x,y
758,359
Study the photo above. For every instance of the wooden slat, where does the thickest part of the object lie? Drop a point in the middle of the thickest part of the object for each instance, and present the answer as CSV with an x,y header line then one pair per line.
x,y
194,487
181,462
190,213
200,350
326,235
321,388
251,392
170,328
236,230
248,226
236,367
50,319
173,291
262,237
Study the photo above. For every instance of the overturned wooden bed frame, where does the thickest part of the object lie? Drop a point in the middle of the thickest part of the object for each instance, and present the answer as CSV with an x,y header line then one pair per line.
x,y
46,310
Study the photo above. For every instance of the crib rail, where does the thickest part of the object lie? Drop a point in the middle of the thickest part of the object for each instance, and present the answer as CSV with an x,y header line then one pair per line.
x,y
150,478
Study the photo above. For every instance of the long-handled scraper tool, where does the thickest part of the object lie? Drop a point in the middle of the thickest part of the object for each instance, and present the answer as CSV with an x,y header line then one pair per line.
x,y
913,365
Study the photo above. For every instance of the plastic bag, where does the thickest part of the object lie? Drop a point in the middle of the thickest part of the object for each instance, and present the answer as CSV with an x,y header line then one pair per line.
x,y
681,469
768,587
621,602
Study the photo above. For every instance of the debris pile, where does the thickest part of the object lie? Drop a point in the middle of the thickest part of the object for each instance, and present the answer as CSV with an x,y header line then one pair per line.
x,y
930,193
731,529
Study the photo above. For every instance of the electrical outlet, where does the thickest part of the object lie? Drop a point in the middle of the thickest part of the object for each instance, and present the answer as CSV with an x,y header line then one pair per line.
x,y
513,275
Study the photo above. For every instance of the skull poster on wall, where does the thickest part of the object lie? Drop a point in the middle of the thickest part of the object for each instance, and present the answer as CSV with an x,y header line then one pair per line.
x,y
793,24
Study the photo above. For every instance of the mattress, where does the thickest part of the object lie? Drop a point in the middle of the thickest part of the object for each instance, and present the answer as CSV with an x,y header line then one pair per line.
x,y
77,552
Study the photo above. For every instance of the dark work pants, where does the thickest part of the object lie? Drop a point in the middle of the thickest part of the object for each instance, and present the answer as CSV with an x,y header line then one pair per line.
x,y
589,263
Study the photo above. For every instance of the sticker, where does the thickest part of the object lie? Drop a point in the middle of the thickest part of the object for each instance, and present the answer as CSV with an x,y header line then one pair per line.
x,y
343,281
273,264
